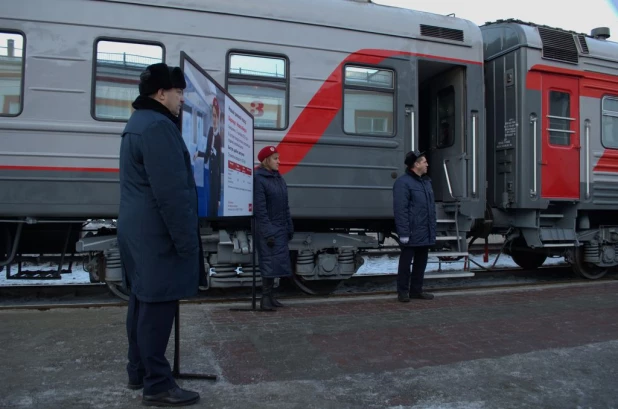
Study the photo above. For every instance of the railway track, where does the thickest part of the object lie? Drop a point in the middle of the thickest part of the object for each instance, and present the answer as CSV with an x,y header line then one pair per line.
x,y
98,295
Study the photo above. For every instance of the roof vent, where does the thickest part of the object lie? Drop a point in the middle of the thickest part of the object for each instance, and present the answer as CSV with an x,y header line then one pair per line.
x,y
558,45
583,44
442,32
600,33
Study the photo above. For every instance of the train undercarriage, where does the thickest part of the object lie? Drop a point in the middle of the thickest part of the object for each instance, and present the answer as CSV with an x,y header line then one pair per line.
x,y
587,241
321,259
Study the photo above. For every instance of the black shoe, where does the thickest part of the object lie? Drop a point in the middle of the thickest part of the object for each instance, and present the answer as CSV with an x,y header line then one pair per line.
x,y
135,385
422,296
173,397
275,302
403,298
265,303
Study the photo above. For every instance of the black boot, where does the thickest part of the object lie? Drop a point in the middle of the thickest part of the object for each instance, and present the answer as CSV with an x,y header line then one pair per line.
x,y
174,397
267,290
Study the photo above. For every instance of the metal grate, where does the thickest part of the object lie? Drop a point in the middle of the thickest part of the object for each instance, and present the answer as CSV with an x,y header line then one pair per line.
x,y
442,32
583,43
559,45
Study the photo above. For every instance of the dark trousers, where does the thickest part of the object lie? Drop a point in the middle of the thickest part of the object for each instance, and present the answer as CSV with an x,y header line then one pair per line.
x,y
149,326
414,284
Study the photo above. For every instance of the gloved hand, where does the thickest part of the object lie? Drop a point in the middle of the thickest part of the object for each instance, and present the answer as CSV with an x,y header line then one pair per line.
x,y
404,240
270,242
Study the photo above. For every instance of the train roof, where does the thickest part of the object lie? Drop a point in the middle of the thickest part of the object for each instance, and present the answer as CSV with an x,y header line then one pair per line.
x,y
557,44
356,15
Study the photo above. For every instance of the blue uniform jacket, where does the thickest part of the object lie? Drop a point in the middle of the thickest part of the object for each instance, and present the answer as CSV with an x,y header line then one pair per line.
x,y
272,215
414,209
158,232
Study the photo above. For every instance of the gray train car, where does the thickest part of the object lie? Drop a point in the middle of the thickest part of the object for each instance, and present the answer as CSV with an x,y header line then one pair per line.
x,y
344,88
552,134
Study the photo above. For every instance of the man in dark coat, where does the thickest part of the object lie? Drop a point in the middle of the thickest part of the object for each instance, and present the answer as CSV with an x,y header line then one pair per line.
x,y
214,158
274,228
415,220
158,232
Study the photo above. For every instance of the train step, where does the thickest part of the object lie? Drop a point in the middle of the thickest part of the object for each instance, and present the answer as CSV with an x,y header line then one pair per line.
x,y
447,238
449,274
448,254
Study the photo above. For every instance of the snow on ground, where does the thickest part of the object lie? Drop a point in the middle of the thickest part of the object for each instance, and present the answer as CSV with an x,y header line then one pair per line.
x,y
381,265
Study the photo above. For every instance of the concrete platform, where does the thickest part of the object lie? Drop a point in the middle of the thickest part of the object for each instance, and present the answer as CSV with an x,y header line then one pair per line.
x,y
549,347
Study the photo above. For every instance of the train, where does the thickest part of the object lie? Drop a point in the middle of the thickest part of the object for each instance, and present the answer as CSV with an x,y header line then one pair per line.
x,y
518,121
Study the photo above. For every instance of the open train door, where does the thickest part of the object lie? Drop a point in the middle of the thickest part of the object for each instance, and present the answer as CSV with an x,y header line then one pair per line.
x,y
447,159
560,137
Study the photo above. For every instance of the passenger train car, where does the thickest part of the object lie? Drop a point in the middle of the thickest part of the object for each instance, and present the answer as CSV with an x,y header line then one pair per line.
x,y
552,157
344,88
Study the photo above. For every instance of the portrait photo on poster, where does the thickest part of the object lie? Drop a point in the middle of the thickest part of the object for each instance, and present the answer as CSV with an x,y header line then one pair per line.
x,y
218,133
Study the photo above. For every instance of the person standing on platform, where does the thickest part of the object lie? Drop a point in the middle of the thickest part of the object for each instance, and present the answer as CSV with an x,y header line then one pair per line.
x,y
274,228
158,231
415,221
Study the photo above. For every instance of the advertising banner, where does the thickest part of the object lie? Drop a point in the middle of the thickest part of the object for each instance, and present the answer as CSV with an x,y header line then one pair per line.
x,y
218,132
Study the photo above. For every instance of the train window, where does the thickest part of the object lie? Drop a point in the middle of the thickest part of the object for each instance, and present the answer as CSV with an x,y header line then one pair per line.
x,y
260,84
11,73
446,117
368,101
560,118
609,136
118,67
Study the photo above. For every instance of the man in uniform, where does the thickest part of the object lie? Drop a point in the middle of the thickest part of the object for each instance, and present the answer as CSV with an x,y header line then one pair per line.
x,y
158,232
415,220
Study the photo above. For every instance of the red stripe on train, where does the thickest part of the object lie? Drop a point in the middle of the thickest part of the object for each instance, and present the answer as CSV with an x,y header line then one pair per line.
x,y
608,162
326,103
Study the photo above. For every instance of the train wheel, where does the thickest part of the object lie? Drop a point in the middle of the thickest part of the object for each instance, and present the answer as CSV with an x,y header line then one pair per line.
x,y
316,287
523,257
584,269
528,260
117,290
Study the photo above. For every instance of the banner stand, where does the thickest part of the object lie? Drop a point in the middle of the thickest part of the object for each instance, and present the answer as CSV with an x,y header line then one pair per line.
x,y
254,267
176,370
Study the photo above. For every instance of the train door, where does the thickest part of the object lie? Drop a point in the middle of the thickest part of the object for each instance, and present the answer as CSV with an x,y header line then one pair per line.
x,y
447,158
560,137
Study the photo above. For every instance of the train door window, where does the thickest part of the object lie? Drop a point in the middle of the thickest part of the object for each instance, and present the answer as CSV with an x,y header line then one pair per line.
x,y
560,118
11,73
260,83
446,117
118,65
609,136
368,101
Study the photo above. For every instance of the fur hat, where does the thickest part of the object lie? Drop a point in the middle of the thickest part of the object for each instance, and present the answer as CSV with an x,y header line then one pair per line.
x,y
412,157
266,152
157,76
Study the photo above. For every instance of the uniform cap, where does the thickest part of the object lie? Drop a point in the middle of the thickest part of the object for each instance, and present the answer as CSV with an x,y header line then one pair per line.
x,y
412,157
157,76
266,152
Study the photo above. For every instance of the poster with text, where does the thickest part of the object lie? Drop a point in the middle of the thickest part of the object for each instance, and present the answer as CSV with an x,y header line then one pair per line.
x,y
218,133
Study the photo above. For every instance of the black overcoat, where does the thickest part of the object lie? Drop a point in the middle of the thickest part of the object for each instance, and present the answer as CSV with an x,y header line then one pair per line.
x,y
158,232
273,220
415,209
